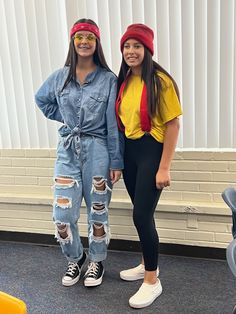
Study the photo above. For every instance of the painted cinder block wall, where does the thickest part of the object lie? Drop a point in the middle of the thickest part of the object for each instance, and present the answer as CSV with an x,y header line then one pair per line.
x,y
190,212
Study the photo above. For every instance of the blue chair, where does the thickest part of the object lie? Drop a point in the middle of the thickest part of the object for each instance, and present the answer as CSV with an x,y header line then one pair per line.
x,y
229,196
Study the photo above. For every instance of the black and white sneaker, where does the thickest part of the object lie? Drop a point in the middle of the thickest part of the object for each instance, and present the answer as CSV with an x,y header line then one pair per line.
x,y
94,274
73,272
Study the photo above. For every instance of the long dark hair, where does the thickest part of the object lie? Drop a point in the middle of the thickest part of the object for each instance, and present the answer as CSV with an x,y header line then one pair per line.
x,y
153,81
72,57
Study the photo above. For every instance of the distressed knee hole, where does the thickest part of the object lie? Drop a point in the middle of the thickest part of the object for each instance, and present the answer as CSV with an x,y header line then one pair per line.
x,y
63,233
98,230
98,206
62,230
63,202
64,182
99,183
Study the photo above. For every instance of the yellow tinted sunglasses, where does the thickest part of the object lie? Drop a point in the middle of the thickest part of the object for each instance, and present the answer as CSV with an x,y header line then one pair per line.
x,y
81,37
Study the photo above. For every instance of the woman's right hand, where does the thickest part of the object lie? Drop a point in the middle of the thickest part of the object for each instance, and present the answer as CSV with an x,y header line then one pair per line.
x,y
115,175
162,178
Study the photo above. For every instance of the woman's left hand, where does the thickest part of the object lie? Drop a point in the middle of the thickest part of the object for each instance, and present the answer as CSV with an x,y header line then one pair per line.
x,y
115,175
162,178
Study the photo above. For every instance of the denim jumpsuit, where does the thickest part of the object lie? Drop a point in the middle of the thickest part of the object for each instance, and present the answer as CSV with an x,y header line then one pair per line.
x,y
88,148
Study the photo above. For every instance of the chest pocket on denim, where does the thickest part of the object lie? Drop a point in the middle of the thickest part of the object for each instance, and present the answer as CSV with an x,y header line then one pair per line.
x,y
67,104
97,105
63,100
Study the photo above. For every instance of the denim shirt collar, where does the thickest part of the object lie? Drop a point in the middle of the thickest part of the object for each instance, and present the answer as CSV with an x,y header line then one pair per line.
x,y
91,76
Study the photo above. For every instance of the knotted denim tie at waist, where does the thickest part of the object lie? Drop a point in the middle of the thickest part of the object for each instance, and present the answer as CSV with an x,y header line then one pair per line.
x,y
72,137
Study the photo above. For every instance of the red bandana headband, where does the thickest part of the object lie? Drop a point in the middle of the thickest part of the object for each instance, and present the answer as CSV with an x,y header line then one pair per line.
x,y
85,27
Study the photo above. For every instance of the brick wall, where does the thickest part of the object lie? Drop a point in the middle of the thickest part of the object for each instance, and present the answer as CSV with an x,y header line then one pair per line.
x,y
190,212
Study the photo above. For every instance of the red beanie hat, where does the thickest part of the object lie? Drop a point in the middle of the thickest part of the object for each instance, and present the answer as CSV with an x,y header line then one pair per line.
x,y
142,33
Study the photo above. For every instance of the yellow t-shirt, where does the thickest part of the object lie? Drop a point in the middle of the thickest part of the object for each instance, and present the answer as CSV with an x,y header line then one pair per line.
x,y
129,111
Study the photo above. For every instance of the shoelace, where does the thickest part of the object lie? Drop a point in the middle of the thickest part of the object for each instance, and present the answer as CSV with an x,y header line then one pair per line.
x,y
71,268
92,269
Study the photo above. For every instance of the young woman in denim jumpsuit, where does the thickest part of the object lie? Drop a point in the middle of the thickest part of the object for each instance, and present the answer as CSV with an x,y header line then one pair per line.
x,y
147,110
82,95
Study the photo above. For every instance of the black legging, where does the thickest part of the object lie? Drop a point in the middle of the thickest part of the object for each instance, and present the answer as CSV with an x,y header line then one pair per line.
x,y
142,158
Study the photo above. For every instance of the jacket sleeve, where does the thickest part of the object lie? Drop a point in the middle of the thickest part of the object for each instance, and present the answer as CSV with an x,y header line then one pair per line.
x,y
113,140
45,99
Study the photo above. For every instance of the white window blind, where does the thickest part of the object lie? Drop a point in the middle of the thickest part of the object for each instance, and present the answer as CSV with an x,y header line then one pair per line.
x,y
194,40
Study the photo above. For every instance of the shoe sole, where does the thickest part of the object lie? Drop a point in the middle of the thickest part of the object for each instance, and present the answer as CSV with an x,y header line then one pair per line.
x,y
70,283
94,283
123,277
74,281
133,278
140,306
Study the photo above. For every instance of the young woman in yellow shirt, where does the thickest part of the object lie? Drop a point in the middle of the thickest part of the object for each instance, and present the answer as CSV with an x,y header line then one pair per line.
x,y
147,110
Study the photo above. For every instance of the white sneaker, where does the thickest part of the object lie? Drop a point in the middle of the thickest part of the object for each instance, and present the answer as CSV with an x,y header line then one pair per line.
x,y
134,273
145,295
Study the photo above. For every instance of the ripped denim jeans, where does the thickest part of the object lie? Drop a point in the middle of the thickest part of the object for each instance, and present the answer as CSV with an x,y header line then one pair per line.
x,y
82,174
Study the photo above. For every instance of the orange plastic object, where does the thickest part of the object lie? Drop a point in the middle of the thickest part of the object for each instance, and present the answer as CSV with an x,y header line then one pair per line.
x,y
11,305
